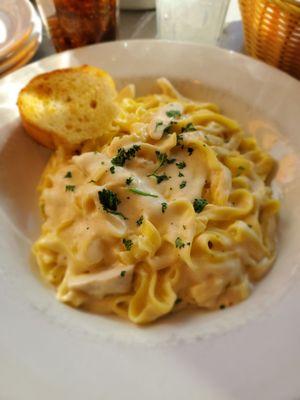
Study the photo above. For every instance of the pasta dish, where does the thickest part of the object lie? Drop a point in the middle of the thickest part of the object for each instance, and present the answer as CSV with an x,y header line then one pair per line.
x,y
173,209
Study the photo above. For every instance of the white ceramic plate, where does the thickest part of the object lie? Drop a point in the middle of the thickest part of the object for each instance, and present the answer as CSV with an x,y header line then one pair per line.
x,y
15,24
250,351
21,57
26,48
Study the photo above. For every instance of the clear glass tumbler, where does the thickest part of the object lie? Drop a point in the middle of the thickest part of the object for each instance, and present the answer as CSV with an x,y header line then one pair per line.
x,y
191,20
76,23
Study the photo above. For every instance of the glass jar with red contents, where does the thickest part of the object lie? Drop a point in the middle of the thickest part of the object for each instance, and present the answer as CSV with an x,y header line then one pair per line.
x,y
76,23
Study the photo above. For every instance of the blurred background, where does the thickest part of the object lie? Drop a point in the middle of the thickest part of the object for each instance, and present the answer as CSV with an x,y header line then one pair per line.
x,y
265,29
199,21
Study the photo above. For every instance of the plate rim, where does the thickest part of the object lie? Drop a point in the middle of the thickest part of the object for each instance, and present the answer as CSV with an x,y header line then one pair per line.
x,y
157,42
194,346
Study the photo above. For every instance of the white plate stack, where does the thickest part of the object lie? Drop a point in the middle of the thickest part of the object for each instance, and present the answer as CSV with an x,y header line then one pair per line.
x,y
20,34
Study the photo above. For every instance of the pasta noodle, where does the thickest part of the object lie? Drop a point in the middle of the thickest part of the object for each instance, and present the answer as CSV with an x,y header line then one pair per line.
x,y
176,210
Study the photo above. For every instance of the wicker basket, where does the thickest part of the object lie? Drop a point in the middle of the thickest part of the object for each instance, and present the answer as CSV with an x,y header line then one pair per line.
x,y
272,32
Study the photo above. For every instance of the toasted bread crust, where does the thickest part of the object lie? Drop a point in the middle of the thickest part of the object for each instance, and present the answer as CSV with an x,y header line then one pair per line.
x,y
68,106
37,134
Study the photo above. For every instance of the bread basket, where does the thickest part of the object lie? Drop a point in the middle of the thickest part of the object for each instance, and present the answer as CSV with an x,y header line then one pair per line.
x,y
272,32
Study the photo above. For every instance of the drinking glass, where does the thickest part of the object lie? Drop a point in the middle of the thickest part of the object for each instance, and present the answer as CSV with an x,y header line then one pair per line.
x,y
76,23
191,20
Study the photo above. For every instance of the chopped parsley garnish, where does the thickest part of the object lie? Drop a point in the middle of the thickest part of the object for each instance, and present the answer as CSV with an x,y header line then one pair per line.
x,y
110,202
163,160
189,128
181,165
199,205
190,150
140,221
179,139
158,124
129,181
161,178
127,243
141,193
182,184
173,113
68,175
161,156
70,188
180,175
112,169
179,243
171,160
122,274
178,301
108,199
163,207
168,128
125,155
